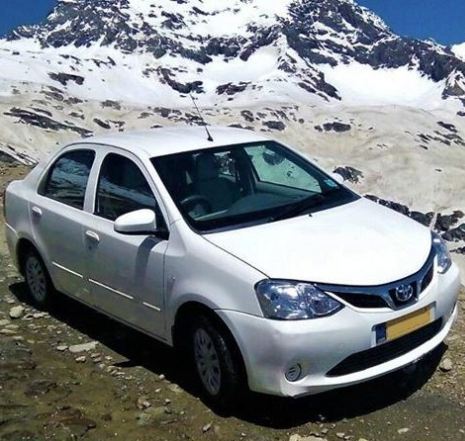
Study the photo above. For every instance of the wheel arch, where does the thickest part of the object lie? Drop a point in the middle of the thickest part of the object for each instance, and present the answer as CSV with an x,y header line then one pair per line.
x,y
22,247
184,316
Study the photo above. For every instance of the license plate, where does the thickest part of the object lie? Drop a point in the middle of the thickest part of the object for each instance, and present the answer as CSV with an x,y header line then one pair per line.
x,y
404,325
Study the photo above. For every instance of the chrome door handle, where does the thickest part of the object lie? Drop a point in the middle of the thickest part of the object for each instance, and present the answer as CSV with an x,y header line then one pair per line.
x,y
36,211
93,236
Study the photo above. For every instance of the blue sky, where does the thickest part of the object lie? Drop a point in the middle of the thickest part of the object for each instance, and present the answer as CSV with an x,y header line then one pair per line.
x,y
16,12
443,20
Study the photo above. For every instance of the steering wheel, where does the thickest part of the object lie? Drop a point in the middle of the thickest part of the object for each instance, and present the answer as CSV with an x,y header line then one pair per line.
x,y
196,199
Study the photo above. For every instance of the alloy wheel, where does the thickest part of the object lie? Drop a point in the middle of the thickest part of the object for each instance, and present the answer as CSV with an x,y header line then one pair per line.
x,y
36,279
207,361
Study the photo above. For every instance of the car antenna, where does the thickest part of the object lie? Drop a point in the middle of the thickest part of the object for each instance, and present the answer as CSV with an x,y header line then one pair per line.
x,y
209,136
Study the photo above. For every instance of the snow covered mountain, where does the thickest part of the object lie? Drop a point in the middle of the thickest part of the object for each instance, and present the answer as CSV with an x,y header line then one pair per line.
x,y
328,76
239,50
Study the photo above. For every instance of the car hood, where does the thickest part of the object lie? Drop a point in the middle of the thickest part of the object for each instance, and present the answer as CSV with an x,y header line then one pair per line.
x,y
360,243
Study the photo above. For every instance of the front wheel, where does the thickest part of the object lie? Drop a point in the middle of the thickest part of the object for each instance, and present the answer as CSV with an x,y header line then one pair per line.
x,y
38,280
217,363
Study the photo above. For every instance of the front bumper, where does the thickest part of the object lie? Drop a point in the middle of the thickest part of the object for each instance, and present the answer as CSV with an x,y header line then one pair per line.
x,y
270,347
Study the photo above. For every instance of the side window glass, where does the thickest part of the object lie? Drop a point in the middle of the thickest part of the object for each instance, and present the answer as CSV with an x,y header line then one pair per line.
x,y
276,169
215,165
67,179
227,165
122,188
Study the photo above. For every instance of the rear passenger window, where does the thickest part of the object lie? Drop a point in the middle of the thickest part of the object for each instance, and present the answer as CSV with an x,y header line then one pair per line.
x,y
67,179
122,188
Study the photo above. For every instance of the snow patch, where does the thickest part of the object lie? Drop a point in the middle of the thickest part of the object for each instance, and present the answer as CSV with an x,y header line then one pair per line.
x,y
459,50
262,63
362,84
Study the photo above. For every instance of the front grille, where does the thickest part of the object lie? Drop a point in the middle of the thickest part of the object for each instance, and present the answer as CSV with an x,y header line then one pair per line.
x,y
427,279
363,300
384,296
386,352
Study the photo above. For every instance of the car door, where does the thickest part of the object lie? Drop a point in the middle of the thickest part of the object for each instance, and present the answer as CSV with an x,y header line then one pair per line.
x,y
126,272
56,212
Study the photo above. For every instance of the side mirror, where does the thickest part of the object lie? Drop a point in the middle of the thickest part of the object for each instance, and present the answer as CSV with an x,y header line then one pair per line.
x,y
137,222
338,178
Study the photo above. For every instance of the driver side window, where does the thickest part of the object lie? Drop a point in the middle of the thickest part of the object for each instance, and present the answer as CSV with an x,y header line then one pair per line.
x,y
122,188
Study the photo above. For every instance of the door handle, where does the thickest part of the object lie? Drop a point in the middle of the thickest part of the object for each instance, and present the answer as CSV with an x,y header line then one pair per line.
x,y
36,211
93,236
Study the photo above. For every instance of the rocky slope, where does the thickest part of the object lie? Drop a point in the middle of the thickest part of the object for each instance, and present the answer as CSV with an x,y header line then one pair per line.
x,y
325,75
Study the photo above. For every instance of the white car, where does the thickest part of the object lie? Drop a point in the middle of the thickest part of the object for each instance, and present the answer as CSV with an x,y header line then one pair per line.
x,y
266,269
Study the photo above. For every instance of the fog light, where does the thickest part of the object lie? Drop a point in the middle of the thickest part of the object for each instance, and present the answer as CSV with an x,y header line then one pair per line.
x,y
293,372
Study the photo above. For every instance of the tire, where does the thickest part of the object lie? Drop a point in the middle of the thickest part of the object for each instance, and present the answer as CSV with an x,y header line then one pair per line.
x,y
217,364
41,290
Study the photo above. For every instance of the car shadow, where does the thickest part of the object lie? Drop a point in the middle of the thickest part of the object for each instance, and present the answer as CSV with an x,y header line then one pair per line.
x,y
279,413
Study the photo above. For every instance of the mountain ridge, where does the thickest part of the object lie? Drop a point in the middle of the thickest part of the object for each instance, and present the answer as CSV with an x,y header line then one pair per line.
x,y
181,40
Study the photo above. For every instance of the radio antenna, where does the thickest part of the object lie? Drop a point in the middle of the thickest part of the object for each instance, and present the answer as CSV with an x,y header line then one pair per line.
x,y
209,136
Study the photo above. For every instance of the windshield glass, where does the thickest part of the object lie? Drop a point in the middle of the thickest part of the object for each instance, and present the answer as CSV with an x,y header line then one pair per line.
x,y
231,187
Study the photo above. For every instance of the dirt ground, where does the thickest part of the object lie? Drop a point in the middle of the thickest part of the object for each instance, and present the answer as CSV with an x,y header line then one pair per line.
x,y
128,387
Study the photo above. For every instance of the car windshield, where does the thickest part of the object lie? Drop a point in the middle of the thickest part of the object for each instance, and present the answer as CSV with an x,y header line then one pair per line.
x,y
239,185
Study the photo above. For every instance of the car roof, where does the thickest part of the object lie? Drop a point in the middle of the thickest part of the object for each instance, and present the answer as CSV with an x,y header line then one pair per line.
x,y
175,139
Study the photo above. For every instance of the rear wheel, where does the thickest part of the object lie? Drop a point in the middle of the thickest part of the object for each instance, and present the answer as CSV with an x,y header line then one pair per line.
x,y
216,362
38,280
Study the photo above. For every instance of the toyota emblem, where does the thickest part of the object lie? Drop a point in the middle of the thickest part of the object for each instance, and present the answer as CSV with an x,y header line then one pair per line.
x,y
404,293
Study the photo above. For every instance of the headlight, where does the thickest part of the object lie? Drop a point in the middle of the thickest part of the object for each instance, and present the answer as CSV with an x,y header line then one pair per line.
x,y
284,300
442,254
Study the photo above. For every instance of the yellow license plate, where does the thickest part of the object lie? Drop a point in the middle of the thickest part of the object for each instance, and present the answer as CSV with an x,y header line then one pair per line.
x,y
408,323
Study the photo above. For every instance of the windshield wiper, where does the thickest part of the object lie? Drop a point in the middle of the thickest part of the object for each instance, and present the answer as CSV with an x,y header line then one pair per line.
x,y
303,206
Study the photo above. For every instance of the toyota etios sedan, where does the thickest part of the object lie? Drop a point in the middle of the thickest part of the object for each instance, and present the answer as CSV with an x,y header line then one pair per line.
x,y
265,269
